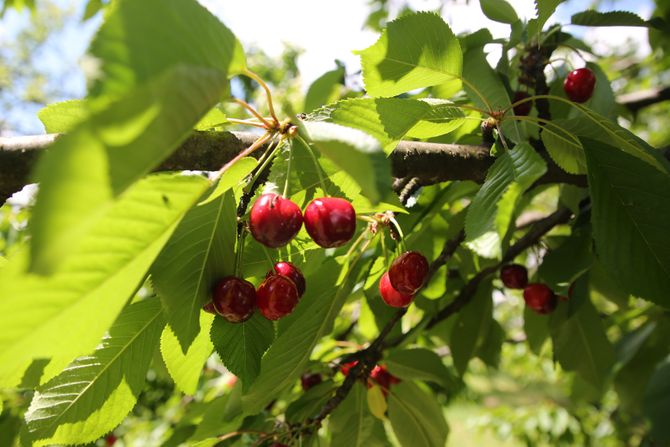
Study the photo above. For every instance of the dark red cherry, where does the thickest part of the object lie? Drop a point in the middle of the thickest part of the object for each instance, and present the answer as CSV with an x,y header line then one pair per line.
x,y
274,220
308,380
540,298
330,221
234,299
384,378
277,297
344,369
514,276
579,84
292,272
408,272
209,308
524,108
390,295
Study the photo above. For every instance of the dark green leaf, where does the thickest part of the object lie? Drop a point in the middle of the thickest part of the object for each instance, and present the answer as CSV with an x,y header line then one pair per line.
x,y
310,402
657,402
416,417
419,364
472,327
609,18
353,425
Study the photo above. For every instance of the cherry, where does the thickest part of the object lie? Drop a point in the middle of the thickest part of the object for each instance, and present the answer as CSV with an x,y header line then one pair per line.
x,y
383,377
292,272
344,369
330,221
310,380
390,295
540,298
277,297
274,220
579,84
524,108
408,272
110,440
209,308
514,276
234,299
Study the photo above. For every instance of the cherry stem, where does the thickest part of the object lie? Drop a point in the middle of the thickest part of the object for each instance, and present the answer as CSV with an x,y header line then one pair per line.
x,y
358,240
384,251
240,253
268,257
253,111
255,145
245,123
268,94
322,181
265,159
401,243
288,172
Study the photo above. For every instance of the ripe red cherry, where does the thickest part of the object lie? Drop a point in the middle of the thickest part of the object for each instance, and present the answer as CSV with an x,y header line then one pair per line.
x,y
277,297
540,298
292,272
234,299
110,440
274,220
514,276
384,378
579,84
308,381
408,272
330,221
344,369
524,108
390,295
209,308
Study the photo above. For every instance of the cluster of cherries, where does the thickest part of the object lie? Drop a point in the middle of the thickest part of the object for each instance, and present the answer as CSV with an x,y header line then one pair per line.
x,y
578,86
403,279
274,221
379,375
539,297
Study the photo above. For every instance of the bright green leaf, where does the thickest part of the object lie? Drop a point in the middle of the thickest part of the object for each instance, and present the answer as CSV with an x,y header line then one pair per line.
x,y
64,116
324,90
377,402
499,11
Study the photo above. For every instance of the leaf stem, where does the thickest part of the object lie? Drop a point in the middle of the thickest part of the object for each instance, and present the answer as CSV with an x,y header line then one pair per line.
x,y
478,93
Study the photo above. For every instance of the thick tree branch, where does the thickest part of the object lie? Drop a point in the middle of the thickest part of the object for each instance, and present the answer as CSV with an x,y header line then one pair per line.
x,y
426,163
638,100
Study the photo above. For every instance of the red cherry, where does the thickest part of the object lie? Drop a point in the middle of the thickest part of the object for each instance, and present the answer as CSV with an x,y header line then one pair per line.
x,y
234,299
514,276
209,307
540,298
344,369
292,272
390,295
277,297
330,221
308,381
274,220
408,272
384,378
110,440
579,84
524,108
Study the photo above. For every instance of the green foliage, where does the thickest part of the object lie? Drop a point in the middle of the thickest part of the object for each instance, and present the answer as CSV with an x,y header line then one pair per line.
x,y
611,18
416,416
499,11
354,425
657,401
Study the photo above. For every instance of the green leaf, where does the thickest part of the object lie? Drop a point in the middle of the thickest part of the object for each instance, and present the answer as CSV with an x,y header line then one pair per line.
x,y
610,18
241,345
3,262
201,250
416,417
222,415
310,402
657,401
233,176
324,90
492,208
602,100
415,51
377,402
95,393
545,9
631,209
499,11
580,342
564,148
562,265
185,368
213,119
355,152
471,328
389,120
419,364
133,50
73,308
353,425
312,319
61,117
536,327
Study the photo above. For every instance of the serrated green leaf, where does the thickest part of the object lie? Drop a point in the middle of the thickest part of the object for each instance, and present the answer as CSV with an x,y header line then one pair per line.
x,y
353,425
201,250
241,345
95,393
312,319
185,368
355,152
133,50
609,18
471,327
657,401
580,342
324,90
419,364
492,208
564,148
499,11
415,51
416,417
389,120
61,117
630,212
545,9
73,308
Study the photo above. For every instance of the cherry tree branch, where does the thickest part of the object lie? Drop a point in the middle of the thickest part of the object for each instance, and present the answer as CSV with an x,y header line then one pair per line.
x,y
639,100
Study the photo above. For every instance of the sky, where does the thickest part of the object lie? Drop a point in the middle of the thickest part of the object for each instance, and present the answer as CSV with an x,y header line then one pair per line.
x,y
326,30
